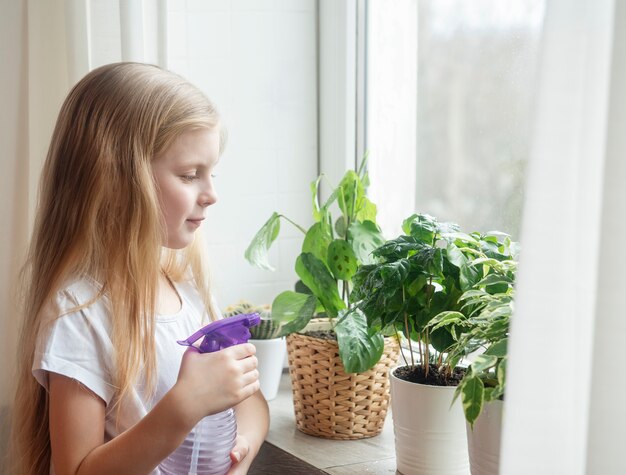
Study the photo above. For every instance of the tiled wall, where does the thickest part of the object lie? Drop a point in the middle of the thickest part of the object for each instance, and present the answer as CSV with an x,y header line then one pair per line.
x,y
257,61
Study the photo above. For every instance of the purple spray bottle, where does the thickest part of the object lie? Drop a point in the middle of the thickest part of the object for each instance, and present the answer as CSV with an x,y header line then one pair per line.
x,y
206,450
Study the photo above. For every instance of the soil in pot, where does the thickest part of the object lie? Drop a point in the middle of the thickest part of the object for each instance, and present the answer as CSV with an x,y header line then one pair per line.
x,y
434,378
323,334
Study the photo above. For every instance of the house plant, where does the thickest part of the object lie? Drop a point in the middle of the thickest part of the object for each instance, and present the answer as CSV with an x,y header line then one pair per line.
x,y
339,373
418,277
485,318
269,339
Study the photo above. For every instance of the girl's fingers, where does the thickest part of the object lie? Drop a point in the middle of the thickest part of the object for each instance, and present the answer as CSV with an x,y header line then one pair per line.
x,y
250,377
248,364
240,450
242,351
250,389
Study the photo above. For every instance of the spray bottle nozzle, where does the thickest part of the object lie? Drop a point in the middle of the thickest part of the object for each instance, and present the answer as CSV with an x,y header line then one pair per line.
x,y
223,333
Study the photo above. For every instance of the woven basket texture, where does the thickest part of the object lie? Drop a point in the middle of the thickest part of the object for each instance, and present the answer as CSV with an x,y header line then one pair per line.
x,y
333,404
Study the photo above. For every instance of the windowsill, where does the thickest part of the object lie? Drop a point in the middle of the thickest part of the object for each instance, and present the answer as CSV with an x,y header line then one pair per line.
x,y
374,455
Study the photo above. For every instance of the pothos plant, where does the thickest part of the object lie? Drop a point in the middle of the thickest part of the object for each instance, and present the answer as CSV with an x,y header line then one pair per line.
x,y
417,287
484,317
332,252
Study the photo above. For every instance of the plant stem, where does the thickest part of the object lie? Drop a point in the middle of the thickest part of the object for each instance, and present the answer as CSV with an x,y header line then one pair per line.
x,y
406,324
402,352
295,224
426,342
419,343
427,353
408,333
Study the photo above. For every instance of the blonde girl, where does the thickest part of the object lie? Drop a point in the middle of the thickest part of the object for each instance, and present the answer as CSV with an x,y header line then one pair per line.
x,y
115,276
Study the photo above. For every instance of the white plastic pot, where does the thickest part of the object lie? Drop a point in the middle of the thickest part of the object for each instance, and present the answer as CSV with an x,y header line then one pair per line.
x,y
430,435
270,354
484,440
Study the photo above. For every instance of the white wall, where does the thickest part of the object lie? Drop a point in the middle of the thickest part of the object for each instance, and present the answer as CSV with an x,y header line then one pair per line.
x,y
257,61
13,187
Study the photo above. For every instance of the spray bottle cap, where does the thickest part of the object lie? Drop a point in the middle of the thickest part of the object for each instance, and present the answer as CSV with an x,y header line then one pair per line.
x,y
223,333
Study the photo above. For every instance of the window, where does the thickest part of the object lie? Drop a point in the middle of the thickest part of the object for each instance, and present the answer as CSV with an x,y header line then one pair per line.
x,y
449,95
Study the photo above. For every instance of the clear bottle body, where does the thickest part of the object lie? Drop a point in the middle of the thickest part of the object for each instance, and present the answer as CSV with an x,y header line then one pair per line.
x,y
206,449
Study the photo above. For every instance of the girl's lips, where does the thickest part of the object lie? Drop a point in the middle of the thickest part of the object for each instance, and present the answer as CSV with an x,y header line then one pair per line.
x,y
195,222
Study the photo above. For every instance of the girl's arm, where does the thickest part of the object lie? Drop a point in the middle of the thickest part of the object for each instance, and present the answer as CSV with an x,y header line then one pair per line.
x,y
253,421
77,415
77,433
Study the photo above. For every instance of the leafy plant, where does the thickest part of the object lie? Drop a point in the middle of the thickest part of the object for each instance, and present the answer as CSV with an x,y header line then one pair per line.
x,y
332,253
420,285
485,317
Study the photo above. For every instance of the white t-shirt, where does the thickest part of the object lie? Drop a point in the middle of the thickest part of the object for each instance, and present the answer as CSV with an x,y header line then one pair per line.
x,y
78,345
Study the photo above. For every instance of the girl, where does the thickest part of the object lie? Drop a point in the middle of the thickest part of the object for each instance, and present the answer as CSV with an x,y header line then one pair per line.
x,y
115,276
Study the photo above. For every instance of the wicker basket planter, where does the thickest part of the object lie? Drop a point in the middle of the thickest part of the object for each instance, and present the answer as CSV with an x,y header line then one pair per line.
x,y
333,404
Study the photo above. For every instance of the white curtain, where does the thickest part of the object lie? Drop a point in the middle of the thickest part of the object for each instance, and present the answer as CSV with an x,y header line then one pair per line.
x,y
562,412
68,38
51,45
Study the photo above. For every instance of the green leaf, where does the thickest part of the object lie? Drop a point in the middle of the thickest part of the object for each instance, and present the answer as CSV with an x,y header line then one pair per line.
x,y
488,261
350,194
444,319
472,398
457,236
498,393
398,248
358,348
341,259
293,311
498,349
492,279
300,288
289,306
421,226
482,363
317,240
394,274
441,339
316,276
367,211
468,275
340,227
365,237
331,199
488,394
256,253
501,372
316,205
416,285
471,294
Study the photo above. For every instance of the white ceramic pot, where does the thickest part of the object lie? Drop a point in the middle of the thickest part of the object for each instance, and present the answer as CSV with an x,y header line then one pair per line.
x,y
270,354
484,440
430,435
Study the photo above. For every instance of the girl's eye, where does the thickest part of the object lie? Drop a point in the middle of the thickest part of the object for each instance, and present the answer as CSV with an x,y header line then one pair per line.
x,y
189,177
213,175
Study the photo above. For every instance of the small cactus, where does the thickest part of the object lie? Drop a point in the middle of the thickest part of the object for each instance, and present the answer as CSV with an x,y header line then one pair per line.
x,y
266,329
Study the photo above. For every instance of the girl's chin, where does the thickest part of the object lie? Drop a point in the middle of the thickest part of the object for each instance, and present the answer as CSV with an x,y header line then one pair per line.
x,y
180,242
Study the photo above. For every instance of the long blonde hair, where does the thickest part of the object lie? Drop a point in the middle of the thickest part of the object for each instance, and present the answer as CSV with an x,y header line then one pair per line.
x,y
99,217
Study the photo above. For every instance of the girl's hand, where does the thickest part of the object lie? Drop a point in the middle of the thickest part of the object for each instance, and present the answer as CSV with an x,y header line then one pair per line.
x,y
237,456
212,382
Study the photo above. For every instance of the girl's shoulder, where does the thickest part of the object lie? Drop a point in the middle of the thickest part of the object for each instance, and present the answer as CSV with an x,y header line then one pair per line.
x,y
74,295
80,291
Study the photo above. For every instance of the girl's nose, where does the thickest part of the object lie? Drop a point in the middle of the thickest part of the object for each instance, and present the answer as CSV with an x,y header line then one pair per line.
x,y
208,198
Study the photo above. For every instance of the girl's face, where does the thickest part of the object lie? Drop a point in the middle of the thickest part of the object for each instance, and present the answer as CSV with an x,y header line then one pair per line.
x,y
183,174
